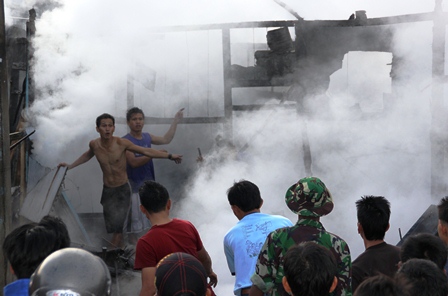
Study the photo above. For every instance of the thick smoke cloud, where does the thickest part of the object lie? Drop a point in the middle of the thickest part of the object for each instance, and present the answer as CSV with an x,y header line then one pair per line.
x,y
364,145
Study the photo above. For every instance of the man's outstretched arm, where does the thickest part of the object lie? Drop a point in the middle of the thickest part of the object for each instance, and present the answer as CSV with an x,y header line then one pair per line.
x,y
135,162
150,152
86,156
169,135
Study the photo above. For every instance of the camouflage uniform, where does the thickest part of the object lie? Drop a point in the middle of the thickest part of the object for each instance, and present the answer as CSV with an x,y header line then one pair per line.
x,y
310,199
269,268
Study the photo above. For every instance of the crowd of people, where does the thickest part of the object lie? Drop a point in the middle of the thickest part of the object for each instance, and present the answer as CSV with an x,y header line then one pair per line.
x,y
266,254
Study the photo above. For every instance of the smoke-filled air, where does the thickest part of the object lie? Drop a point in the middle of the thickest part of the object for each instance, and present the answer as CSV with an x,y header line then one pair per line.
x,y
361,141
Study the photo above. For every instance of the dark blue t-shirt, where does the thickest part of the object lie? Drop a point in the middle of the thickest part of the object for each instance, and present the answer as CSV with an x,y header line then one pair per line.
x,y
145,172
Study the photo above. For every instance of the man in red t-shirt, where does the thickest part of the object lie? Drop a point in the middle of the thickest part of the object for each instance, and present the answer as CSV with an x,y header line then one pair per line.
x,y
166,236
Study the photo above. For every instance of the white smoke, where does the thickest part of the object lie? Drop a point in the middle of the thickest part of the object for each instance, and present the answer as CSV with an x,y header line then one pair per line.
x,y
85,51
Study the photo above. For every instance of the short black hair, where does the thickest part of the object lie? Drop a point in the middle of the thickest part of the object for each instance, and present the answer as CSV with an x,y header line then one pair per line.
x,y
383,285
245,195
58,226
132,111
424,246
442,208
27,246
104,116
153,196
309,269
425,277
373,214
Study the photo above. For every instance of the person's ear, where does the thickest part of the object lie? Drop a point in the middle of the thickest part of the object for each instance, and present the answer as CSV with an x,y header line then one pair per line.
x,y
168,204
142,209
261,203
443,227
334,284
399,264
360,230
388,226
286,285
234,209
12,270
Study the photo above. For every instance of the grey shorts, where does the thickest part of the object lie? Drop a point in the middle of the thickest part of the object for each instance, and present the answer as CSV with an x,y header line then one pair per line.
x,y
116,203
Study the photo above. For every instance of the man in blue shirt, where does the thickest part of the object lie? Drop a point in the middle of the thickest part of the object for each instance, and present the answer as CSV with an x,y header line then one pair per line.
x,y
140,168
243,242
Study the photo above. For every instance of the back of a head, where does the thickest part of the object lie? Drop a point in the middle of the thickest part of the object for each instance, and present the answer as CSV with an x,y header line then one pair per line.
x,y
425,277
27,246
180,274
14,248
373,214
245,195
424,246
58,226
153,196
310,269
442,208
71,271
382,285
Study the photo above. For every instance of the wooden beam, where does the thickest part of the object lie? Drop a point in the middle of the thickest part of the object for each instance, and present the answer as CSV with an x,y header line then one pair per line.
x,y
5,159
263,107
390,20
185,120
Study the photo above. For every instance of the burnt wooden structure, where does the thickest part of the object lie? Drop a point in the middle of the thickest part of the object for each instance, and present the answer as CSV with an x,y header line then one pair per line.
x,y
318,51
15,91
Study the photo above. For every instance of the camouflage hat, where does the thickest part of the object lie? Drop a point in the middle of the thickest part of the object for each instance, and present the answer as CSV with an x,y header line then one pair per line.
x,y
309,197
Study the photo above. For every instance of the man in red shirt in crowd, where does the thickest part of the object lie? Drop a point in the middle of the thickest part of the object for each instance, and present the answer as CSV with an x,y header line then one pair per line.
x,y
167,235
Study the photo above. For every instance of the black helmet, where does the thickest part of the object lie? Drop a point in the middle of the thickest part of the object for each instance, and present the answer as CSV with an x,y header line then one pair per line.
x,y
71,271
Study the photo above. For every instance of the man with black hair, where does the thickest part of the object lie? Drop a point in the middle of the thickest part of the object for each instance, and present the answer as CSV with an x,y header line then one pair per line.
x,y
425,277
383,285
243,242
379,257
110,151
58,226
310,270
167,235
424,246
442,227
27,246
139,167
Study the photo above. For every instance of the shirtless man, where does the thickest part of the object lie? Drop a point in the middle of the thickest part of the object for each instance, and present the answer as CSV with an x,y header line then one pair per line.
x,y
110,152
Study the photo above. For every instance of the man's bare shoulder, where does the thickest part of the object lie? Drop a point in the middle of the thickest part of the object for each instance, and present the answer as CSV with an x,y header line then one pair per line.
x,y
93,143
123,141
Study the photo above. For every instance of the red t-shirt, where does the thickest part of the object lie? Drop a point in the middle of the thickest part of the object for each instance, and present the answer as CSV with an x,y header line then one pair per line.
x,y
161,240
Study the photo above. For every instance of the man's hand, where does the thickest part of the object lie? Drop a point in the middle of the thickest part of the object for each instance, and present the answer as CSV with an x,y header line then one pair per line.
x,y
179,115
213,279
64,164
177,158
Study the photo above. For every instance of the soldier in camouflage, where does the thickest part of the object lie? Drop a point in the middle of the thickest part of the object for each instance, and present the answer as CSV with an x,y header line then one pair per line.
x,y
309,199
